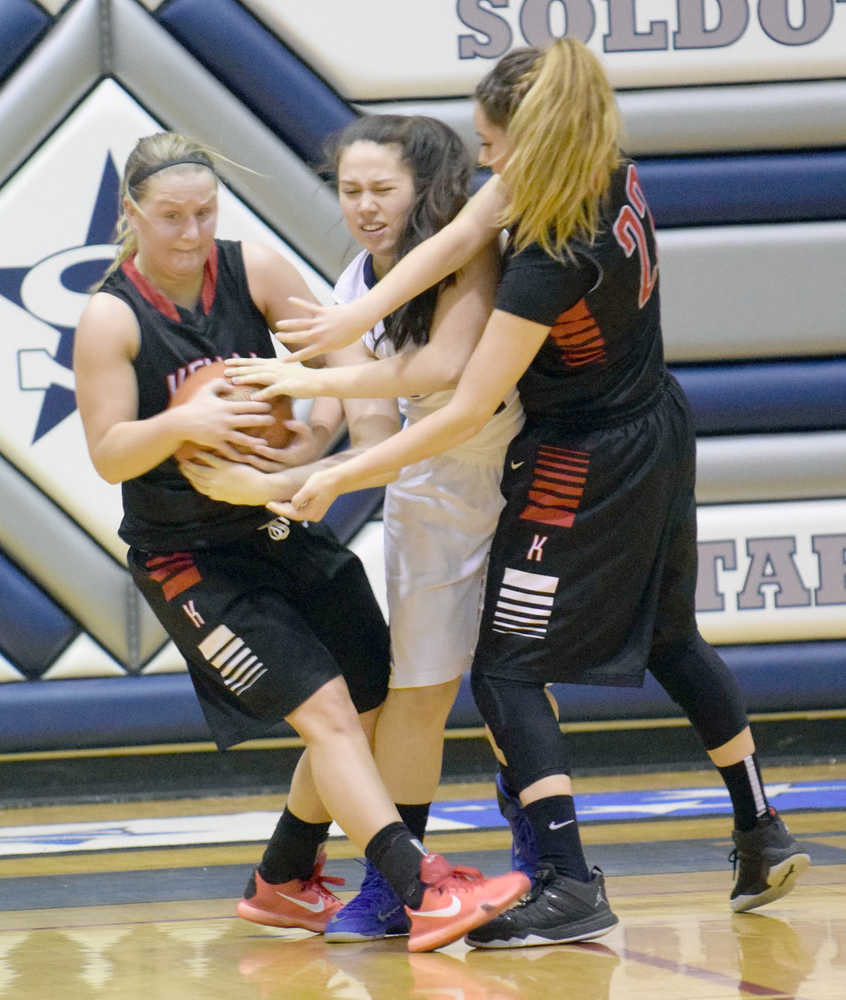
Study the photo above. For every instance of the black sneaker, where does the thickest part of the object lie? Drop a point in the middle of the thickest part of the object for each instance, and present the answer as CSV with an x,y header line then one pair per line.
x,y
767,861
557,910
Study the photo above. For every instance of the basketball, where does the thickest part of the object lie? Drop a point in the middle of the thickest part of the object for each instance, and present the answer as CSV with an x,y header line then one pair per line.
x,y
276,434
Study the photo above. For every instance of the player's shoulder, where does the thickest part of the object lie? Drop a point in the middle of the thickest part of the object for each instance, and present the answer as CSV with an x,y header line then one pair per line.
x,y
105,306
354,280
271,276
107,327
259,255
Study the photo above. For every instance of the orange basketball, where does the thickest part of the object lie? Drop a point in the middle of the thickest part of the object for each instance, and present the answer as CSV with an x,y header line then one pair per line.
x,y
276,435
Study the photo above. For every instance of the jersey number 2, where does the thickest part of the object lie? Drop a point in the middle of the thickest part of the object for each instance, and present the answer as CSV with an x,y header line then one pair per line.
x,y
630,231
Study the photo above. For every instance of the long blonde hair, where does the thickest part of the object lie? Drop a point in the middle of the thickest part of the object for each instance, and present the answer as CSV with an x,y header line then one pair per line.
x,y
563,128
160,151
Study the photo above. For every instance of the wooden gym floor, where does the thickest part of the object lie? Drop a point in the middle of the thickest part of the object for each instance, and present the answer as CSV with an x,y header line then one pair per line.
x,y
158,923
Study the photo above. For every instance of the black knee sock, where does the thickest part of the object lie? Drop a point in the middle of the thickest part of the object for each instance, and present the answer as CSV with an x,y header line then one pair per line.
x,y
292,850
746,789
397,855
556,832
415,818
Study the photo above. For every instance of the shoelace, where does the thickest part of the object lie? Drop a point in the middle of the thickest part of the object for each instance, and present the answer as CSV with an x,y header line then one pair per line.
x,y
542,877
458,878
318,881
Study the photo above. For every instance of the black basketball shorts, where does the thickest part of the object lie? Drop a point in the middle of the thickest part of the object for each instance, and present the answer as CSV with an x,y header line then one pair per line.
x,y
594,556
266,621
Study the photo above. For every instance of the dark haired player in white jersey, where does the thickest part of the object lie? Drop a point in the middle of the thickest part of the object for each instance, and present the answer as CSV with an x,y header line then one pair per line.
x,y
400,178
276,620
593,565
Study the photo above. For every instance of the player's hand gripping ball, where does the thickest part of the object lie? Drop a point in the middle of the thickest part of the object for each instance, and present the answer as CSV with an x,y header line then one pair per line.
x,y
276,434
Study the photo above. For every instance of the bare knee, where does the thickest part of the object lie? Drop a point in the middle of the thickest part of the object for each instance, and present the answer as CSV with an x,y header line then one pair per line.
x,y
423,707
328,714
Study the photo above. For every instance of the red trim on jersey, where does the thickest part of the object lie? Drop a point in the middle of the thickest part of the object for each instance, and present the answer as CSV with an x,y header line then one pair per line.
x,y
209,281
160,301
178,571
577,336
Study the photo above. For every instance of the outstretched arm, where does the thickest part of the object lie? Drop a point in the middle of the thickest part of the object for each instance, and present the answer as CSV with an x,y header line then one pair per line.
x,y
462,310
505,351
240,483
368,422
331,327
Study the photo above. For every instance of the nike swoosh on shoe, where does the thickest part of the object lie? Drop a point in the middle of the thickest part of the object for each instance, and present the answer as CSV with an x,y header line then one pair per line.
x,y
317,907
445,911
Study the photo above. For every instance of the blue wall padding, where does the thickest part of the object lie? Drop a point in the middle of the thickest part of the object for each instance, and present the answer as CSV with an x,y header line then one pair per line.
x,y
129,711
33,629
100,711
257,67
761,187
774,677
756,398
351,511
21,25
302,109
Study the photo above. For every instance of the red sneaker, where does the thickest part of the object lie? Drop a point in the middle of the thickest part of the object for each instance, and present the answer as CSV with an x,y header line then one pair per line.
x,y
299,903
458,899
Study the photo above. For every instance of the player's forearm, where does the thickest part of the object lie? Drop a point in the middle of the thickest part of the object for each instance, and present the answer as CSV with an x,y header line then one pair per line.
x,y
131,448
435,258
435,433
326,420
410,373
280,486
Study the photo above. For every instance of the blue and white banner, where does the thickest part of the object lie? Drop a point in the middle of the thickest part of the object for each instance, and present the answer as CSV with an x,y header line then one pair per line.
x,y
772,572
398,49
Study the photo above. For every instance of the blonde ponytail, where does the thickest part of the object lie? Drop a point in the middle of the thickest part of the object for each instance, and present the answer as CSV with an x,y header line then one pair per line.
x,y
564,135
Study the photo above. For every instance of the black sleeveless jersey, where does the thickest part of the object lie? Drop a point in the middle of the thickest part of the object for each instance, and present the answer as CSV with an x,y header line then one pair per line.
x,y
161,510
604,357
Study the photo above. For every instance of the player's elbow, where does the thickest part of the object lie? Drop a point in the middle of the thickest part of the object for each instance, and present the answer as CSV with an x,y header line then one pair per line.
x,y
110,475
106,468
451,371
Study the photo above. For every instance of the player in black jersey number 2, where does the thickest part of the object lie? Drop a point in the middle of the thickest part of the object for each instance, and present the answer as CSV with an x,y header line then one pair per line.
x,y
593,565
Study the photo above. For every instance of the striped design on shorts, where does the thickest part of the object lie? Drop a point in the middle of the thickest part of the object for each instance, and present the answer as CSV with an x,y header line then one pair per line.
x,y
558,485
175,572
524,603
238,666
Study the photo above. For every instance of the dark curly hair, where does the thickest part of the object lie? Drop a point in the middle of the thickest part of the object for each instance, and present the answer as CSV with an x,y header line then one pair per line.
x,y
441,167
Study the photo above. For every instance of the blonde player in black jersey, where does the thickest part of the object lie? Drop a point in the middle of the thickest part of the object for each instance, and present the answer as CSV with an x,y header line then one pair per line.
x,y
275,619
593,565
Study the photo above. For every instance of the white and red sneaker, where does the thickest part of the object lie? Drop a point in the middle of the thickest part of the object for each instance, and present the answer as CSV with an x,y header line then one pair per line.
x,y
299,903
456,900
